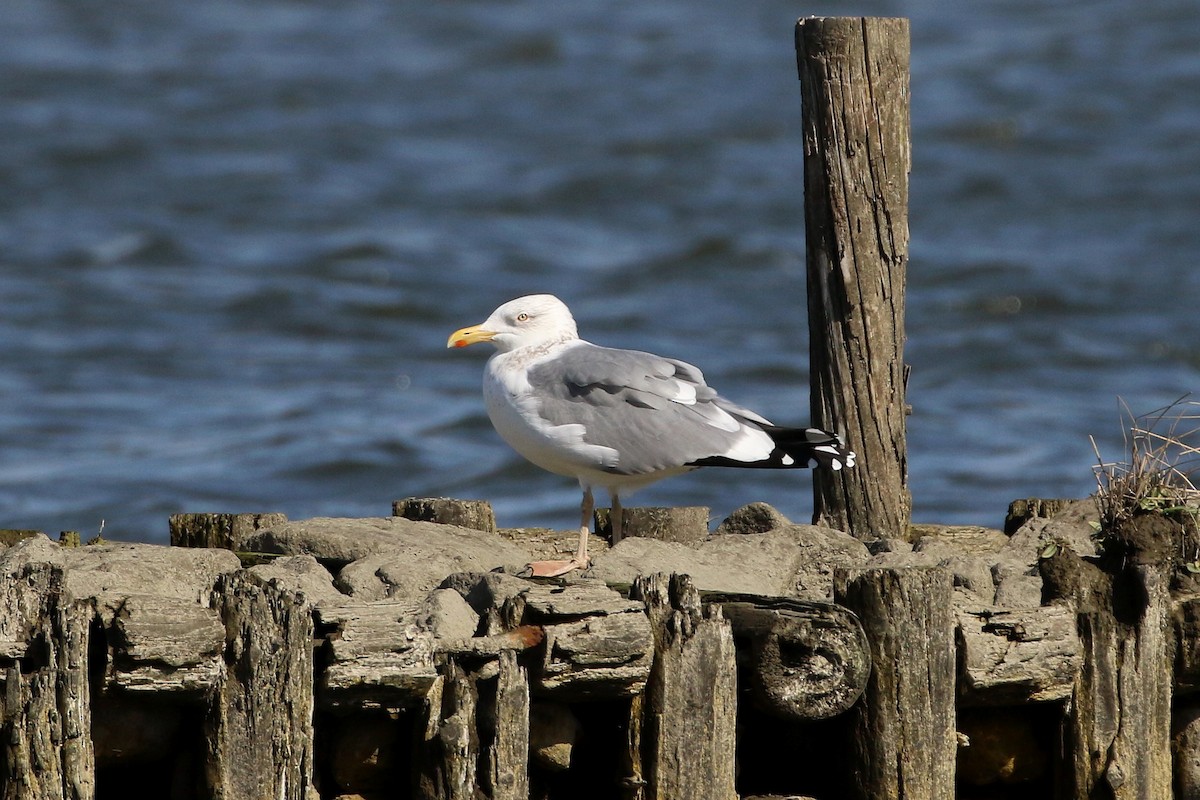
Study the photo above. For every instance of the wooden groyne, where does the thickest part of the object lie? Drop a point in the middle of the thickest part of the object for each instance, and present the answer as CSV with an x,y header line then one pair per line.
x,y
405,659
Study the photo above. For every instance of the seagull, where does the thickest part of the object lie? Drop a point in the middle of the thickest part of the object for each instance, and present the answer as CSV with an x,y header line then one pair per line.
x,y
618,419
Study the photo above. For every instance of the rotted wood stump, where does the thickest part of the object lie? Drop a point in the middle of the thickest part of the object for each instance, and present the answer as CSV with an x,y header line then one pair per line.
x,y
475,514
685,524
807,660
903,728
690,725
1117,734
45,708
259,721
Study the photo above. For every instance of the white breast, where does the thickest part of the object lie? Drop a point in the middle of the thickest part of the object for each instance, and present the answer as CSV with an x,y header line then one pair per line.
x,y
513,409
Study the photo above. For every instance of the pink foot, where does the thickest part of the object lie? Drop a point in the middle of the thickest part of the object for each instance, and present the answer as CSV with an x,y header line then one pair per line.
x,y
551,569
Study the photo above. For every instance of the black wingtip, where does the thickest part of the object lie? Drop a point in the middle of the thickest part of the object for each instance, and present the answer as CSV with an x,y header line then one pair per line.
x,y
795,448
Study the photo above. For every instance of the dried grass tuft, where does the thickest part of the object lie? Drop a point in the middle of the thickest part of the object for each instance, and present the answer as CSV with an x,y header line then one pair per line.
x,y
1163,449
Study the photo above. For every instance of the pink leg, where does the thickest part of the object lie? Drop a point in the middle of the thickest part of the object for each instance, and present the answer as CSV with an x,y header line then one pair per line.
x,y
617,516
550,569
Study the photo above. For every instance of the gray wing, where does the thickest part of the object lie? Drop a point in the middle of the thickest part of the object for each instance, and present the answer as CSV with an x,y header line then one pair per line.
x,y
631,401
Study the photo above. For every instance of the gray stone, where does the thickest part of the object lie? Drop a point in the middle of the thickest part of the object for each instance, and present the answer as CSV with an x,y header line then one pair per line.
x,y
796,560
972,576
114,571
970,540
342,541
753,518
1018,585
396,557
819,552
303,574
1072,527
971,573
750,564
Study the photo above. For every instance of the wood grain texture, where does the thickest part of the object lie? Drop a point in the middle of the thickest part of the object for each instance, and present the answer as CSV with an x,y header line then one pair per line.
x,y
691,700
903,736
855,87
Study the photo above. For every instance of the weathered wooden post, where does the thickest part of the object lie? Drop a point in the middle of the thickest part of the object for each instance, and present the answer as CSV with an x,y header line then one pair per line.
x,y
258,726
904,742
1117,730
691,699
45,712
854,81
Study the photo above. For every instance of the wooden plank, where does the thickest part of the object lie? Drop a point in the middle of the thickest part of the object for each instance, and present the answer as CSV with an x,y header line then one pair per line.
x,y
449,753
1117,732
855,114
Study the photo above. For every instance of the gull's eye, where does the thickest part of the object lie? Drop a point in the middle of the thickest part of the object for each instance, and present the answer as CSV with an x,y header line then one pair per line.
x,y
522,317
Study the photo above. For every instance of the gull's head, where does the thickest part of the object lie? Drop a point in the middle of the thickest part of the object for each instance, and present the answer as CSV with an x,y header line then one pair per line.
x,y
531,320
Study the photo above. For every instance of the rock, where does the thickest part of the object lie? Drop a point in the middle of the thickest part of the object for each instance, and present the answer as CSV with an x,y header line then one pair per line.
x,y
1011,656
166,645
486,590
383,654
1073,526
971,573
302,574
819,551
394,557
972,579
111,572
969,540
598,644
36,549
336,541
553,730
878,546
447,615
760,565
753,518
1018,585
114,571
548,544
794,560
10,536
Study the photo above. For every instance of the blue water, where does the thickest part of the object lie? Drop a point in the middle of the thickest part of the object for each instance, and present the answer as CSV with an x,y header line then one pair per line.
x,y
234,236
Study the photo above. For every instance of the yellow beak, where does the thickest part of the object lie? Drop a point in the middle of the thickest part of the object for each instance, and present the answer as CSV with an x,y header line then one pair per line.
x,y
465,336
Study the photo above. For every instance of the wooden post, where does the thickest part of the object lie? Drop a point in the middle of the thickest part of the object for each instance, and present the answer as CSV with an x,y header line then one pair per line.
x,y
45,711
904,744
1117,732
259,721
691,698
508,751
449,755
854,82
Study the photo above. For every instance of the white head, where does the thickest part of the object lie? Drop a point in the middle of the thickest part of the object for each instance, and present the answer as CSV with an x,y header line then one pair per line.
x,y
530,320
